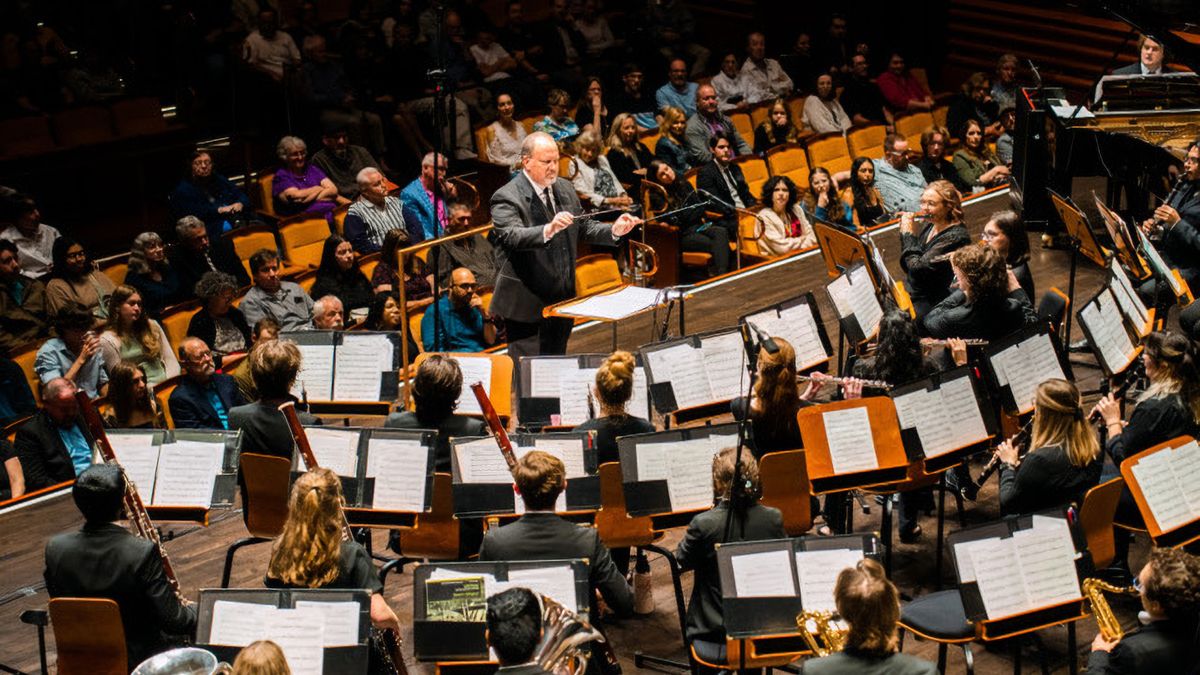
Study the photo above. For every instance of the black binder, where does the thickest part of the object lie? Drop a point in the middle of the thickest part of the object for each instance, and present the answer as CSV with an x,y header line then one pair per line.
x,y
536,411
805,300
389,379
652,497
662,395
1008,402
912,440
489,499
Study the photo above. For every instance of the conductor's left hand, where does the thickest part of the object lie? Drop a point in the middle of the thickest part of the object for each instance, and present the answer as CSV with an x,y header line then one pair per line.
x,y
625,224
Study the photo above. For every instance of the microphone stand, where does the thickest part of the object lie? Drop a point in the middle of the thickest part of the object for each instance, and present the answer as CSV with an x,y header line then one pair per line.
x,y
441,124
737,500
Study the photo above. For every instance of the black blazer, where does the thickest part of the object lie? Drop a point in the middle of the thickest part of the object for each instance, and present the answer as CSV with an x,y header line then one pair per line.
x,y
1181,244
103,560
609,429
957,317
1046,479
1025,278
1153,421
451,426
44,457
698,551
710,179
928,281
191,267
545,536
191,409
264,429
848,662
766,439
1158,647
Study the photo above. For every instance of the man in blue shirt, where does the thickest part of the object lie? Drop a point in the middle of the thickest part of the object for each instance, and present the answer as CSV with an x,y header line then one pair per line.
x,y
458,319
203,398
677,92
75,353
53,446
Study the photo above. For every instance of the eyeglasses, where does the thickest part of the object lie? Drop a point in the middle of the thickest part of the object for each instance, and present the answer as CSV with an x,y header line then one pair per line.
x,y
466,287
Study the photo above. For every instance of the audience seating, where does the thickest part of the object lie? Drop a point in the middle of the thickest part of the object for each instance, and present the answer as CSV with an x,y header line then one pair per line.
x,y
266,200
866,141
755,171
829,151
940,113
749,232
650,139
795,105
303,240
25,136
366,264
339,219
89,636
530,119
760,112
910,127
24,357
306,280
789,160
114,267
138,117
162,392
83,126
175,320
743,125
481,142
247,240
595,273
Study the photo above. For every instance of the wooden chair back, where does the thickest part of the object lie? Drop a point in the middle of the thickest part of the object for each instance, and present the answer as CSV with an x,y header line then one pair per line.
x,y
785,487
114,267
756,172
246,241
910,127
175,321
789,160
88,636
162,393
595,273
303,240
367,263
266,198
481,143
617,529
265,487
749,231
743,125
25,358
435,535
1096,517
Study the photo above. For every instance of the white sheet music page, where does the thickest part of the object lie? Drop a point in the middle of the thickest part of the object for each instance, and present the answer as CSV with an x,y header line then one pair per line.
x,y
612,306
572,395
818,572
335,449
766,574
187,471
689,474
481,462
357,372
1159,265
316,373
1161,491
544,375
138,456
1185,463
652,461
1106,328
474,369
1028,364
569,450
1131,303
340,620
300,633
1047,562
799,327
725,365
237,624
851,446
399,467
683,366
639,402
867,310
958,422
555,581
998,575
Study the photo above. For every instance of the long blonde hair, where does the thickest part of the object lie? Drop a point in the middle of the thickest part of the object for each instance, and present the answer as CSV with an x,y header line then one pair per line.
x,y
261,657
1059,419
306,553
614,141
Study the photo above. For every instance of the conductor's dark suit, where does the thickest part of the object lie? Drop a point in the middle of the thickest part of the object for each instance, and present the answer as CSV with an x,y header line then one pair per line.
x,y
191,407
1159,647
44,457
103,560
533,272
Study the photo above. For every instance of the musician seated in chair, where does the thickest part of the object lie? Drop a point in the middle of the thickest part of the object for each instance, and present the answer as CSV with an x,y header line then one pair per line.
x,y
989,302
104,560
1177,223
869,605
1169,586
274,365
514,630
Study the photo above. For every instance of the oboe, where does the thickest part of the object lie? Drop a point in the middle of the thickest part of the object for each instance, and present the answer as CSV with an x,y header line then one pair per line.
x,y
1132,376
1019,439
843,381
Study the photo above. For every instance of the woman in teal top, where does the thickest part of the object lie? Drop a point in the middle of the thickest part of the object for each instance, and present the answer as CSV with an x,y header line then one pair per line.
x,y
130,335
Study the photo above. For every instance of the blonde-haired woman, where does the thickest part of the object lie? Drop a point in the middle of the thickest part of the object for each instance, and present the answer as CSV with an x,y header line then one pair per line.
x,y
130,335
613,391
261,657
1064,462
671,147
628,157
923,255
310,552
593,178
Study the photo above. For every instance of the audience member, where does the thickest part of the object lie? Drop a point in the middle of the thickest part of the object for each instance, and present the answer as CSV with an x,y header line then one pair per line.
x,y
1004,144
16,398
900,181
591,112
209,196
822,112
327,88
777,129
633,99
105,560
196,255
678,91
131,402
75,354
299,185
762,78
504,136
863,198
339,275
53,445
799,64
628,157
283,301
151,273
328,313
785,227
672,145
265,330
615,380
24,309
12,479
384,314
673,27
514,630
564,47
975,163
822,202
558,122
694,233
436,390
1004,87
341,161
1005,232
203,397
706,124
724,182
261,657
457,322
836,47
274,365
131,335
373,214
474,253
75,278
420,217
417,278
861,98
593,177
988,303
594,28
492,60
933,164
730,86
269,50
218,323
34,239
974,101
901,91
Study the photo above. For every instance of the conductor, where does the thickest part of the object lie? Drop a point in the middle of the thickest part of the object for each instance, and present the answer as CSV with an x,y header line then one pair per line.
x,y
535,237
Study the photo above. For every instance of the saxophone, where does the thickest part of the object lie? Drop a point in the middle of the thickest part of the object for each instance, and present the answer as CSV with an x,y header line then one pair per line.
x,y
821,631
566,637
1110,627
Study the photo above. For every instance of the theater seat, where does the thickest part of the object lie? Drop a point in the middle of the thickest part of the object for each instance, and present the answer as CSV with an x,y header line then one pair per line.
x,y
789,160
138,117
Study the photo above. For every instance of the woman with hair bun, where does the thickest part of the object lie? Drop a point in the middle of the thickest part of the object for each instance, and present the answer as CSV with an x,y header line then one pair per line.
x,y
613,390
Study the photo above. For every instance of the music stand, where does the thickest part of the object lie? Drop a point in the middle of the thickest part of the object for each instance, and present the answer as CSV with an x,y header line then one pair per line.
x,y
610,306
143,466
839,249
1123,244
1107,328
662,373
858,312
486,490
1166,280
539,399
1009,360
891,464
799,322
1169,518
1081,240
647,486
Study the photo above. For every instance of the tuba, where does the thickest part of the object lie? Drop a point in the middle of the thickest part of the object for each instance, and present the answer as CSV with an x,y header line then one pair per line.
x,y
1110,627
823,634
183,661
566,637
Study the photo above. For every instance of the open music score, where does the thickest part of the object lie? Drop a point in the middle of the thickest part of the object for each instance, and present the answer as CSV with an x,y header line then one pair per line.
x,y
346,366
1132,307
1078,227
671,471
943,414
1163,271
483,483
1126,248
852,444
696,369
1016,566
1108,332
179,468
554,389
382,469
610,305
1020,362
856,300
1162,480
799,322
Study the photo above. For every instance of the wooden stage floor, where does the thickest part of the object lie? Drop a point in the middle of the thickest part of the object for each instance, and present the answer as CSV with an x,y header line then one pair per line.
x,y
198,553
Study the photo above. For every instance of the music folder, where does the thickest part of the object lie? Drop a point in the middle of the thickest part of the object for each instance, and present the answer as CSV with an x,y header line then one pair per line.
x,y
319,630
1112,339
799,322
554,389
944,418
1078,227
1019,362
852,444
671,471
766,584
347,365
855,298
696,370
1162,480
1135,311
447,599
178,472
483,484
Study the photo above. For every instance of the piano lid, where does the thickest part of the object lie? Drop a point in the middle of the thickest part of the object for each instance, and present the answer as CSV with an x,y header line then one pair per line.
x,y
1168,91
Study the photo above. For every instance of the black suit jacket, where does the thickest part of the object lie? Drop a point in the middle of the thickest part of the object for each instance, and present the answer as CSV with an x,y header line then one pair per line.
x,y
698,551
264,429
533,272
1158,647
710,179
106,561
1134,68
44,456
957,317
451,426
191,409
191,267
546,536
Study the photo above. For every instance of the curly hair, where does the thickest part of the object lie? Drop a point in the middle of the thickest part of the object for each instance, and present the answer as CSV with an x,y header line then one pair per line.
x,y
141,328
614,382
307,552
1174,583
138,264
950,194
540,477
899,357
987,276
213,283
768,190
869,602
722,475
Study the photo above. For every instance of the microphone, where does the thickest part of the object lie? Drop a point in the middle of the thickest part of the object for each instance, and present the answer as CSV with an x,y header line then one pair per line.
x,y
1037,76
717,199
765,341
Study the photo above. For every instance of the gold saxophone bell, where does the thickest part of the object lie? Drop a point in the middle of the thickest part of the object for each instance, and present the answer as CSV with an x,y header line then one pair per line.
x,y
1110,627
823,633
566,640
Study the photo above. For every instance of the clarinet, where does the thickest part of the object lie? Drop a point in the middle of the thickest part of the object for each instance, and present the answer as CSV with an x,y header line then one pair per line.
x,y
1019,439
135,509
1131,377
493,422
1156,224
385,642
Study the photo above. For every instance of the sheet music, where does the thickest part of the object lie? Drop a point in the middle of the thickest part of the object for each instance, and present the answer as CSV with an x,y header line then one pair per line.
x,y
851,446
316,373
138,456
1048,566
481,462
853,294
186,473
556,581
1131,303
489,581
725,364
998,574
1161,268
689,474
946,418
359,366
544,375
767,574
818,572
1106,331
237,624
639,402
652,461
300,633
569,450
1025,366
612,306
474,369
572,395
340,620
799,327
335,449
683,366
1185,463
400,468
1162,491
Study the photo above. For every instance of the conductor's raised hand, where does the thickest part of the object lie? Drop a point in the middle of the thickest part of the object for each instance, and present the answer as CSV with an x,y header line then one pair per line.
x,y
562,220
625,224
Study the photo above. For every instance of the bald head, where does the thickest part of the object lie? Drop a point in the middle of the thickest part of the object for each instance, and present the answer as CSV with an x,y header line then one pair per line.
x,y
539,158
58,400
462,288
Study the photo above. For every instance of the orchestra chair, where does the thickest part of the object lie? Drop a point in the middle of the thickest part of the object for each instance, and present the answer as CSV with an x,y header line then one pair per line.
x,y
939,617
650,139
795,105
86,125
366,264
26,136
162,392
175,320
1052,308
1096,518
266,200
303,239
265,483
829,151
756,173
114,267
89,636
38,618
791,160
25,357
595,273
306,280
248,240
866,141
434,536
785,486
743,125
140,116
911,126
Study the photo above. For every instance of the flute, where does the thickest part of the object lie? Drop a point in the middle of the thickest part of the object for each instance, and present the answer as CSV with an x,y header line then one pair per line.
x,y
970,342
1019,439
843,381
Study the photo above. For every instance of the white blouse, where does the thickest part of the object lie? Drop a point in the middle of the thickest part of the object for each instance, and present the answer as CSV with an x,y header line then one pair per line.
x,y
504,148
777,236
